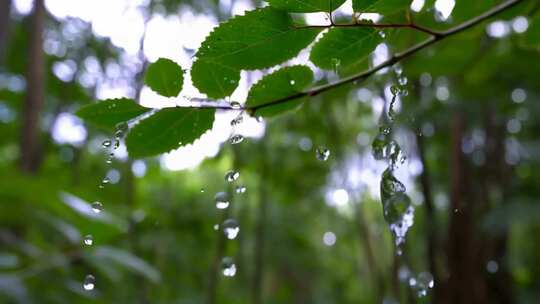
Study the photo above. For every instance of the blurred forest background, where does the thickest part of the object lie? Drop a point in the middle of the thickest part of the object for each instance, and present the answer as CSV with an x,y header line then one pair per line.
x,y
311,231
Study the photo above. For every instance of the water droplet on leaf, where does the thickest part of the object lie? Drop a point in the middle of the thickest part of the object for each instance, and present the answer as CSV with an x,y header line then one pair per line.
x,y
106,144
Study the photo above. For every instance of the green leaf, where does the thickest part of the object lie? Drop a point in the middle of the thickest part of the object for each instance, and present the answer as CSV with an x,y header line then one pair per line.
x,y
280,84
165,77
214,79
384,7
306,6
344,46
108,113
127,260
168,129
260,39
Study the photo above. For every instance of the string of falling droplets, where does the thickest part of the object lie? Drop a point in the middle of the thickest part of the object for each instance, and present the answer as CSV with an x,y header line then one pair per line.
x,y
230,227
89,282
397,208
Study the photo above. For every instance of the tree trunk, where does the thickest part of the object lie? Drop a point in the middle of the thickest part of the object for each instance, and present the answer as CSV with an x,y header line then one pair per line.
x,y
5,9
463,285
469,247
35,93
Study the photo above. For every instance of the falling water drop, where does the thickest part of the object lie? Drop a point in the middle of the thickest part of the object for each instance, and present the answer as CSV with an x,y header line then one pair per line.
x,y
397,208
202,190
110,158
424,282
322,153
236,139
97,207
238,120
232,176
292,82
106,143
228,267
88,240
395,90
240,189
231,228
216,227
378,147
105,180
222,200
121,129
402,80
398,70
89,282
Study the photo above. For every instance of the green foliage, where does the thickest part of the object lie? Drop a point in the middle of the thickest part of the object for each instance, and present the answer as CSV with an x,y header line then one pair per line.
x,y
260,39
168,129
383,7
306,6
165,77
112,256
344,46
532,36
109,113
282,83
